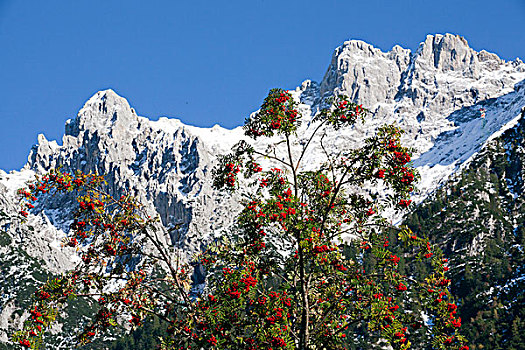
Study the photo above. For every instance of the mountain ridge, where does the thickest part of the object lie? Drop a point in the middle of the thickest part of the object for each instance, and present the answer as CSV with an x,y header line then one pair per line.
x,y
168,163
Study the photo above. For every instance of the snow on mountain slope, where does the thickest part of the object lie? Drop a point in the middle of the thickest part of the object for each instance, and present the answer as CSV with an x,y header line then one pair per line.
x,y
434,94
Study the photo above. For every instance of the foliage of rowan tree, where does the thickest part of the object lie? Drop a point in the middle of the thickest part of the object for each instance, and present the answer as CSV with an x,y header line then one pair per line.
x,y
309,258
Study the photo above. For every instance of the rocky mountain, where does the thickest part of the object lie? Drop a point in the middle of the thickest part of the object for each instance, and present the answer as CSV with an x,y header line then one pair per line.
x,y
434,93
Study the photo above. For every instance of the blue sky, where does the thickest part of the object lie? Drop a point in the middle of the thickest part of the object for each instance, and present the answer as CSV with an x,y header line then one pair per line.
x,y
204,62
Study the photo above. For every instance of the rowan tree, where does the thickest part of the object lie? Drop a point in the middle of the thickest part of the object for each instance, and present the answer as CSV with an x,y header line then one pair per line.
x,y
309,260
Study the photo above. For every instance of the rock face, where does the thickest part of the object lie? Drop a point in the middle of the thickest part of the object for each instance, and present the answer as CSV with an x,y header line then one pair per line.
x,y
420,90
434,93
164,163
365,73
